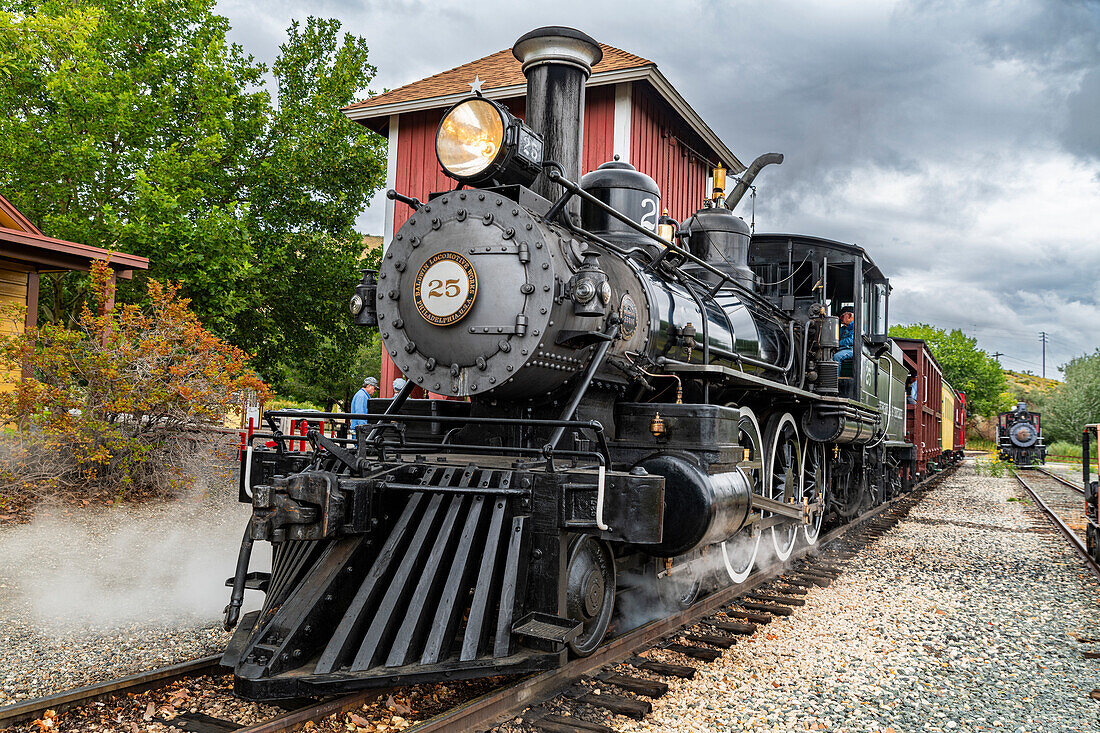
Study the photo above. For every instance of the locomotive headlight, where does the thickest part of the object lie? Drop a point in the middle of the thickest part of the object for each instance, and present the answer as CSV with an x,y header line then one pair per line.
x,y
479,141
356,305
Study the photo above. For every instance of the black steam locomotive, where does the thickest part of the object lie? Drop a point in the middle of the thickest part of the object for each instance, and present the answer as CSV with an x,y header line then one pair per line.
x,y
646,410
1020,436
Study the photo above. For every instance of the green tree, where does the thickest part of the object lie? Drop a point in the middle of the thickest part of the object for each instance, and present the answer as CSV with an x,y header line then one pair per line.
x,y
1076,402
134,125
966,367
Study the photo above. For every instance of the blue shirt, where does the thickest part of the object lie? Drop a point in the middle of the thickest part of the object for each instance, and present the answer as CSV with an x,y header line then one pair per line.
x,y
359,404
846,335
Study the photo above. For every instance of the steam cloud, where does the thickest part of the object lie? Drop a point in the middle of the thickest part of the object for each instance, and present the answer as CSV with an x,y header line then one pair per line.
x,y
163,563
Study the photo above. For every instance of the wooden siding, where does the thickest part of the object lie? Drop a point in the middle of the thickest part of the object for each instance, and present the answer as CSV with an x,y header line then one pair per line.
x,y
658,150
13,291
599,127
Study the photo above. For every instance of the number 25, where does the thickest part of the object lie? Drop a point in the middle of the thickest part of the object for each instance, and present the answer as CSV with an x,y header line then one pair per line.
x,y
436,288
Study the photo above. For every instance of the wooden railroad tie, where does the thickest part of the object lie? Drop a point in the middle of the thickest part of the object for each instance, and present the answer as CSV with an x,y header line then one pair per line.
x,y
784,599
734,627
561,724
790,589
1095,694
1091,655
813,579
695,652
756,618
668,670
777,610
722,642
203,723
796,581
619,704
637,685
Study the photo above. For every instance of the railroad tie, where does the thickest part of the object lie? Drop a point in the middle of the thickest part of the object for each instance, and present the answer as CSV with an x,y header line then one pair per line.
x,y
756,618
812,579
202,723
734,627
619,704
791,590
777,610
695,652
782,599
794,580
1091,655
1095,694
722,642
668,670
560,724
637,685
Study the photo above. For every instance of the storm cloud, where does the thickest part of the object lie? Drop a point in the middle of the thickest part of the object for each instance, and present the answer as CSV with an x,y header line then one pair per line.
x,y
958,142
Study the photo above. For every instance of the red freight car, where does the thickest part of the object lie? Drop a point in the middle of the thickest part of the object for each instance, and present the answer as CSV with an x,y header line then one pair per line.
x,y
923,416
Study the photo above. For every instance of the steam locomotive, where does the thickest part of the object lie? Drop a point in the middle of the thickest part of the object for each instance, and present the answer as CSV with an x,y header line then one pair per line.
x,y
644,410
1020,436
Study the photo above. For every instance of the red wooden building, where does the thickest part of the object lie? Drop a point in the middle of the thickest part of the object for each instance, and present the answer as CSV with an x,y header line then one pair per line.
x,y
631,110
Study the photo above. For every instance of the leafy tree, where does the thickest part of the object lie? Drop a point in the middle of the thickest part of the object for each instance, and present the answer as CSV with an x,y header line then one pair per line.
x,y
134,125
966,367
1076,402
114,402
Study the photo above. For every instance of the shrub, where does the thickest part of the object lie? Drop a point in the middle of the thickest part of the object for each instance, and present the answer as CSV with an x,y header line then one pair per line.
x,y
991,466
117,405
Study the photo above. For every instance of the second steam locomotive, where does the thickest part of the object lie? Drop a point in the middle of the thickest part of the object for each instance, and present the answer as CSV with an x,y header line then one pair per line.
x,y
644,409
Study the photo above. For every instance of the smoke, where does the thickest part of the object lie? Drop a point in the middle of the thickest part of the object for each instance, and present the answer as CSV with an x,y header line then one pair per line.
x,y
646,601
152,563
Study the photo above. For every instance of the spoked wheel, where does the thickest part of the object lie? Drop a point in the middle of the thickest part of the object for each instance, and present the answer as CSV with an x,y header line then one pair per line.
x,y
784,478
814,486
678,580
739,552
590,593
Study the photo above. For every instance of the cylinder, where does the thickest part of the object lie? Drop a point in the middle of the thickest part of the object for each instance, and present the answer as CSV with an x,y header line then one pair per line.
x,y
700,508
557,62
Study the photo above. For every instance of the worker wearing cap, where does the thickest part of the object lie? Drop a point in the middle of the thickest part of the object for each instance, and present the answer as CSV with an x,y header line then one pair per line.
x,y
360,400
847,336
398,385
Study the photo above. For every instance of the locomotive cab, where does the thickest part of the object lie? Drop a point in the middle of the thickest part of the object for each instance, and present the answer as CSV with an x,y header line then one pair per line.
x,y
794,272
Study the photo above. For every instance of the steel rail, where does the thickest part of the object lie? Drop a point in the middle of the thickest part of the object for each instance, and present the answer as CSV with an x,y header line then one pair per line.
x,y
1061,479
62,701
494,707
1074,541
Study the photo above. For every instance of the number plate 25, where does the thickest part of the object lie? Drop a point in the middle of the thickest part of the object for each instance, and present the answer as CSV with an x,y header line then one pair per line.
x,y
445,288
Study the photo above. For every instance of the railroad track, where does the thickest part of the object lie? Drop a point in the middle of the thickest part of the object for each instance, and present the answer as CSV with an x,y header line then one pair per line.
x,y
1063,503
1060,479
771,591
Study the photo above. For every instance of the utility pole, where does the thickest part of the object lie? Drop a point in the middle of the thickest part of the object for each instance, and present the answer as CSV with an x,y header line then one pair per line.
x,y
997,355
1043,338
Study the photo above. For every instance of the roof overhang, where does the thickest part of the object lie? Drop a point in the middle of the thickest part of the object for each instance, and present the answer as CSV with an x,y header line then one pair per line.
x,y
47,253
377,118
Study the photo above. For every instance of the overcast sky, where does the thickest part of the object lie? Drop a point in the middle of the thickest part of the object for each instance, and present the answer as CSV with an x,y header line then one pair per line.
x,y
959,143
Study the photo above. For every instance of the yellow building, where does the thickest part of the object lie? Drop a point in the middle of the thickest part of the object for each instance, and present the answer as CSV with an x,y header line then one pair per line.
x,y
26,253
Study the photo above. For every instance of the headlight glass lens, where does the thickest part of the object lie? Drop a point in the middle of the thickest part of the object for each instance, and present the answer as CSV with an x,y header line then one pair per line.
x,y
470,137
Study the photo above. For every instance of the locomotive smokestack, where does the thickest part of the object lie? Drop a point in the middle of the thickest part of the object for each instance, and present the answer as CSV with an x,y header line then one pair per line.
x,y
557,62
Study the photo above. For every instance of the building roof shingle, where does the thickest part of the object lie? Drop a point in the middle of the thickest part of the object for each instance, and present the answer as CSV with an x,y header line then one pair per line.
x,y
500,69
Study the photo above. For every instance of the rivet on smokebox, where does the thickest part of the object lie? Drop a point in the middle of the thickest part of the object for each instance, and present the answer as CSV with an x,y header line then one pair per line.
x,y
657,426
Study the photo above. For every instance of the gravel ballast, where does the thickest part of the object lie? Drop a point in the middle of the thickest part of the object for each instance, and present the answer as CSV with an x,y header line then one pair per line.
x,y
960,618
88,596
